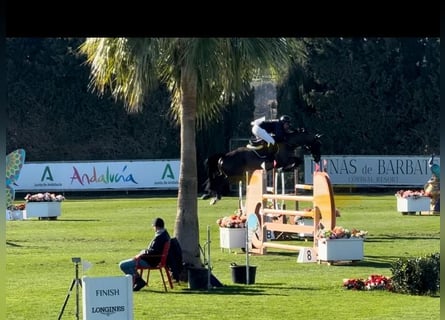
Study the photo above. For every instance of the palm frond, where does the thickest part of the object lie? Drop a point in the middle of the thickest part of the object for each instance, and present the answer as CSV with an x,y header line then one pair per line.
x,y
224,67
126,66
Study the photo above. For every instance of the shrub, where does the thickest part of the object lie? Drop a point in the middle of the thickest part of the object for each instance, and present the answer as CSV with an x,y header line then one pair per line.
x,y
417,276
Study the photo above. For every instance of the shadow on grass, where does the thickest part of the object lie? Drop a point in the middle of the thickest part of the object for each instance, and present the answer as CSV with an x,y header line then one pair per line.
x,y
281,253
225,290
282,286
254,289
68,220
13,244
393,237
378,263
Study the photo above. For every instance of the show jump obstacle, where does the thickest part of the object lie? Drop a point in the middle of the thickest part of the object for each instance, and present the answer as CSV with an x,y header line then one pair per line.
x,y
257,198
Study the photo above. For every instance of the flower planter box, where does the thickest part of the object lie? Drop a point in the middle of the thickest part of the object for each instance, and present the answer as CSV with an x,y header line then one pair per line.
x,y
332,250
230,238
14,214
44,209
413,204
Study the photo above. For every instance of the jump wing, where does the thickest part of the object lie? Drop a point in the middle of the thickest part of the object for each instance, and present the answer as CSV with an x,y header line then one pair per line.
x,y
14,164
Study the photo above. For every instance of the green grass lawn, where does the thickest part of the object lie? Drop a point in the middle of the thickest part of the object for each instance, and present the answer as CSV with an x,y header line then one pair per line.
x,y
104,231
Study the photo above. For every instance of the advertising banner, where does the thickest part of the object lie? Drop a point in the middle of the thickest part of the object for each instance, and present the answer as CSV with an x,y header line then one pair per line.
x,y
99,175
373,170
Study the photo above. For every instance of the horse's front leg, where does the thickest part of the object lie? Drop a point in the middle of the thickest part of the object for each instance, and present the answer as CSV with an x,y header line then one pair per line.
x,y
292,163
213,195
215,199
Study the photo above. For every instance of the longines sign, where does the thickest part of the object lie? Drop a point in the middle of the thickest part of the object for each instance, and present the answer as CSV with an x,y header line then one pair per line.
x,y
107,298
373,170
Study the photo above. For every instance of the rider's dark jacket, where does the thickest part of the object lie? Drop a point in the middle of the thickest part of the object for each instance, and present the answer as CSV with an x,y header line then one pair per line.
x,y
274,127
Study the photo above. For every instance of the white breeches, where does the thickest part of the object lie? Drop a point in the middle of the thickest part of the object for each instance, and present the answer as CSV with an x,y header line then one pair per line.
x,y
262,134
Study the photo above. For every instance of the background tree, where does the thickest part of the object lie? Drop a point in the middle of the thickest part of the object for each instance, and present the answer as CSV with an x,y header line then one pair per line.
x,y
391,102
53,116
368,96
380,95
202,75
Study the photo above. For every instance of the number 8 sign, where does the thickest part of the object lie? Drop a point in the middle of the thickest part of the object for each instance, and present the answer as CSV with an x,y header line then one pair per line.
x,y
307,255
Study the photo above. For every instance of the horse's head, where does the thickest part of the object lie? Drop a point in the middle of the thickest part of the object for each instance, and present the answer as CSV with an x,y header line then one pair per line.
x,y
304,139
315,147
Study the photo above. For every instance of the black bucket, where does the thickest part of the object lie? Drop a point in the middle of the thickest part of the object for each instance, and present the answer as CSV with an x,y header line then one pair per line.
x,y
239,274
198,278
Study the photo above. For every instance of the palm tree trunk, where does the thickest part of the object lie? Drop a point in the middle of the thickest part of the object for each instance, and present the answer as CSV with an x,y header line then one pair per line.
x,y
187,222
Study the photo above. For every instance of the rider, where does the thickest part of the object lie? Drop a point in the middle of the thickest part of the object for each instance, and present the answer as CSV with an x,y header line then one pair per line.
x,y
264,129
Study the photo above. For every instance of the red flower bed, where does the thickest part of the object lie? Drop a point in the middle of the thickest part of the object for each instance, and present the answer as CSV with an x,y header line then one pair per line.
x,y
374,282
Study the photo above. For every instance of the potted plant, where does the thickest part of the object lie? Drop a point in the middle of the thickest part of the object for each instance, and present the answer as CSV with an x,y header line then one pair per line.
x,y
43,205
232,231
411,201
340,244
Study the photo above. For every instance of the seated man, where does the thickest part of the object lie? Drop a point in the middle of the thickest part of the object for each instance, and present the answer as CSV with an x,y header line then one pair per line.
x,y
147,257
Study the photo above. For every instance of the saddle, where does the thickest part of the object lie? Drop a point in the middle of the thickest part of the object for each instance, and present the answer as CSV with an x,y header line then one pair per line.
x,y
261,148
257,144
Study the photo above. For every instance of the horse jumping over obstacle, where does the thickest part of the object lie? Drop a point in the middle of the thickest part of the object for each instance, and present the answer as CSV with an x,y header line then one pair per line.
x,y
323,211
223,169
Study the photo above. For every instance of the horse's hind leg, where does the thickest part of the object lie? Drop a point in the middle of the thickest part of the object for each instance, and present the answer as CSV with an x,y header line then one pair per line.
x,y
207,192
205,196
215,199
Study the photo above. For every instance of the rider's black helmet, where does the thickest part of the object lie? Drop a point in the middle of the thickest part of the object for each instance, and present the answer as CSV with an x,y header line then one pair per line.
x,y
285,119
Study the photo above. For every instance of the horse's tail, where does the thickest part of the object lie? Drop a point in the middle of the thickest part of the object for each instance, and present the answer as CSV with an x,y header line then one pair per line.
x,y
211,164
213,183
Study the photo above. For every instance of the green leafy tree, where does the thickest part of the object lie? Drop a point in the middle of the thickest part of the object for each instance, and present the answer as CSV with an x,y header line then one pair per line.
x,y
376,95
53,117
202,74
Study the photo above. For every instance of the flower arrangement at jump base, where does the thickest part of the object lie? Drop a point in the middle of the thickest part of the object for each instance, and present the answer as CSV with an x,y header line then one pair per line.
x,y
232,221
374,282
44,197
339,232
410,194
17,207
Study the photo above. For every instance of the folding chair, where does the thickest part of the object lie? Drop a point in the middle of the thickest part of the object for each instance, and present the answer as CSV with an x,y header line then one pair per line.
x,y
162,267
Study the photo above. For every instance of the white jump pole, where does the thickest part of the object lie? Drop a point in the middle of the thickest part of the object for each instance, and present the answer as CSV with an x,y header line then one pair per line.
x,y
247,230
275,187
247,254
240,196
209,270
283,191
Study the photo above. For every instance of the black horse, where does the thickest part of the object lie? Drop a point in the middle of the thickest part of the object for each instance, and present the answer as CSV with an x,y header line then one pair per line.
x,y
223,169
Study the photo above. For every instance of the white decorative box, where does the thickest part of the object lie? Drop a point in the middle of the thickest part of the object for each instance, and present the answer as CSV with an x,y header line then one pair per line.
x,y
43,209
413,204
305,222
14,214
230,238
340,249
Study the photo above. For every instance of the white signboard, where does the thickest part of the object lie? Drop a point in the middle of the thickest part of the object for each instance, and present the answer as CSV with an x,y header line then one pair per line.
x,y
373,170
109,298
100,175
